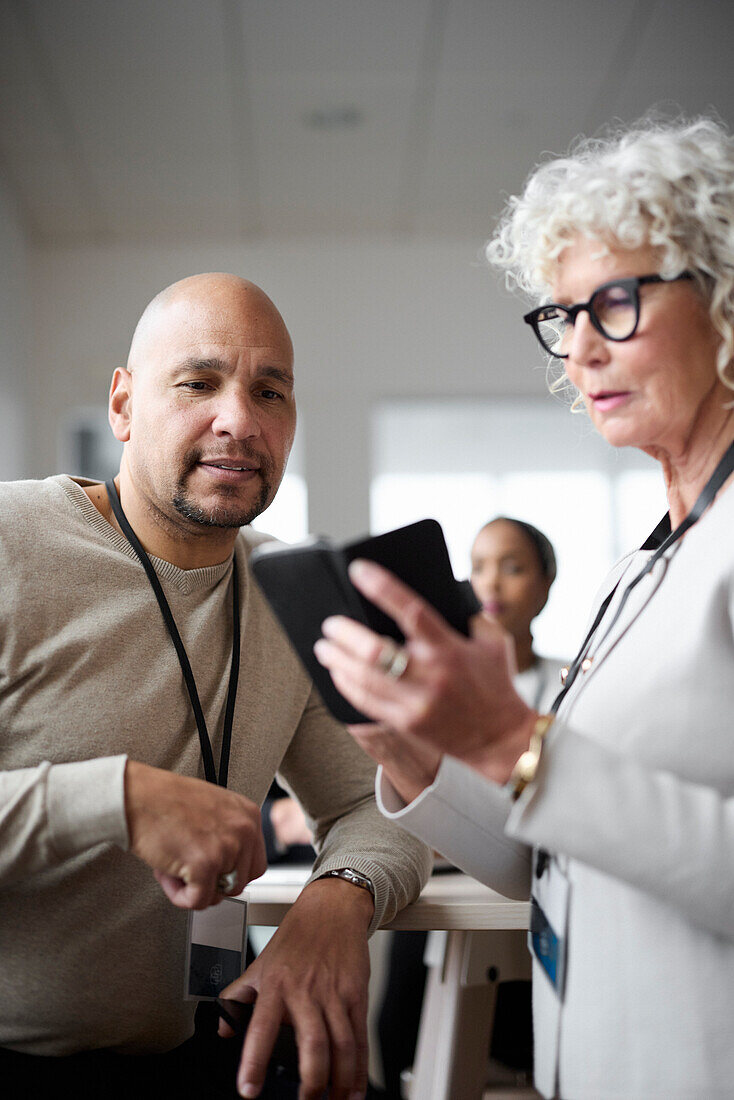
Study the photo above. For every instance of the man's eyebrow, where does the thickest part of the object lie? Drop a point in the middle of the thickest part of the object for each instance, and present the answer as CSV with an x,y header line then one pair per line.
x,y
278,374
219,365
195,363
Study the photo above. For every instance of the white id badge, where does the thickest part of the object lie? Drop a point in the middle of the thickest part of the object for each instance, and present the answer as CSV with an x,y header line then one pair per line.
x,y
548,932
215,948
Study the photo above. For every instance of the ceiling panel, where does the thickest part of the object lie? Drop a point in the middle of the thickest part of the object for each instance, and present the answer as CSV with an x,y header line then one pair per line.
x,y
34,140
146,85
329,59
323,37
176,119
514,80
519,80
322,179
684,61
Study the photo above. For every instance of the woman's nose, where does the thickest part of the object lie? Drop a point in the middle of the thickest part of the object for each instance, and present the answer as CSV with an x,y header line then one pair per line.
x,y
585,344
494,578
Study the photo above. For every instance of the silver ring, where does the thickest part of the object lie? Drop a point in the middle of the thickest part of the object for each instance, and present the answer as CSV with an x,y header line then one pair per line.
x,y
392,659
227,883
386,656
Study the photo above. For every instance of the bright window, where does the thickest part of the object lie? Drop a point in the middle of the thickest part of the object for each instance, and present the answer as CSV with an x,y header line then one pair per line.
x,y
287,516
464,462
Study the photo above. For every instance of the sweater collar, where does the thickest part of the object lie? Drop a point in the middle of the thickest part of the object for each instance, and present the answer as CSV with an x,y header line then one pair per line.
x,y
185,580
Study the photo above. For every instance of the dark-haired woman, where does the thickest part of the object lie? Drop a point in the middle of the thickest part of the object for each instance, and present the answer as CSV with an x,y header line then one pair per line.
x,y
513,566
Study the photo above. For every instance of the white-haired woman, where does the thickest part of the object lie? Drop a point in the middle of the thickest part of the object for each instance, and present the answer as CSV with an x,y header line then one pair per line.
x,y
626,800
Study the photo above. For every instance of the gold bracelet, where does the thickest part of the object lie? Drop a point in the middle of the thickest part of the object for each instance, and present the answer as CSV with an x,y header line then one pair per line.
x,y
526,767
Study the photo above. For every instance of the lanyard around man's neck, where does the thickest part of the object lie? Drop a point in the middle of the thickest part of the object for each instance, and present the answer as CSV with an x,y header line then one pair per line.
x,y
206,746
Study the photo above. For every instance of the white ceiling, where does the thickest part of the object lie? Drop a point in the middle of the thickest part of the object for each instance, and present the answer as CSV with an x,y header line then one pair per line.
x,y
172,120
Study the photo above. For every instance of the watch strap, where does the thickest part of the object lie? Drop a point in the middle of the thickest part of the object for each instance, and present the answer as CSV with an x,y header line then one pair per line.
x,y
526,768
350,875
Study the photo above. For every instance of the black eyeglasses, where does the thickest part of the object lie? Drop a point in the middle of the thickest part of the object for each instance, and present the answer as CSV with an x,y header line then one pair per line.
x,y
613,309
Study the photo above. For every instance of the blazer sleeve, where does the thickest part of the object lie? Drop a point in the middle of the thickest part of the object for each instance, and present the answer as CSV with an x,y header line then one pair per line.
x,y
463,816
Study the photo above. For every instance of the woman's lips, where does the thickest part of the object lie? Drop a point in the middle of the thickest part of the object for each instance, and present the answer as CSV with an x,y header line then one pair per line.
x,y
493,607
606,400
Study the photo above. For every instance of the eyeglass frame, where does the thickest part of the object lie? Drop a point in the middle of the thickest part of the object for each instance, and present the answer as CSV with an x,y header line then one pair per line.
x,y
631,284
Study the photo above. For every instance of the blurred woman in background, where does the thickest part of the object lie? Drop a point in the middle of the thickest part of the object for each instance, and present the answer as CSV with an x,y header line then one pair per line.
x,y
513,566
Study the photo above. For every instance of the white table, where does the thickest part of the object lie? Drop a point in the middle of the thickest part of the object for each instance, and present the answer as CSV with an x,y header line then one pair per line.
x,y
484,942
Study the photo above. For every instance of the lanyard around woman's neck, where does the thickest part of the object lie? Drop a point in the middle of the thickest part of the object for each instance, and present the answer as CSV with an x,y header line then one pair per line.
x,y
661,539
206,746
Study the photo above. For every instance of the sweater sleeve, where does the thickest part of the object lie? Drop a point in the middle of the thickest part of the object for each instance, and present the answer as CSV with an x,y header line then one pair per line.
x,y
52,812
334,782
669,837
462,815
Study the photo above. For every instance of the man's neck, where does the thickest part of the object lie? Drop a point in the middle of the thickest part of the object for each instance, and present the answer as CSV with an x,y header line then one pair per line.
x,y
161,538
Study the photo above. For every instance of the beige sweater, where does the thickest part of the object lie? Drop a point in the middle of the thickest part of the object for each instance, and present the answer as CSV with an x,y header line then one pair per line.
x,y
92,952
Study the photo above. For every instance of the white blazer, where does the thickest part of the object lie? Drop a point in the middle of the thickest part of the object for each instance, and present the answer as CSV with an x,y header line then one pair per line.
x,y
635,796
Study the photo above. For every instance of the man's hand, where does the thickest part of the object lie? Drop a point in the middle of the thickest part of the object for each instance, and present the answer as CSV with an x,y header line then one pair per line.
x,y
313,974
191,832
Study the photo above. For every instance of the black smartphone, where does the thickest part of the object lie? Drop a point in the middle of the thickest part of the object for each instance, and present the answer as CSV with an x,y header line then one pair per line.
x,y
305,583
285,1051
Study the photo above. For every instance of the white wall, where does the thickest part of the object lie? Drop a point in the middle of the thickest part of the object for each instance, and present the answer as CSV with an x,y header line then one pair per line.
x,y
15,313
369,319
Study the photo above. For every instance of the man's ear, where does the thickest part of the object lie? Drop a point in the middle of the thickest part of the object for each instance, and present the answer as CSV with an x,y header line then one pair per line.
x,y
120,405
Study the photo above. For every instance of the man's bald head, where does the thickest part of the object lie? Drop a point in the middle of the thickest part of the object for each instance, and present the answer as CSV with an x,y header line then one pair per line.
x,y
225,302
206,407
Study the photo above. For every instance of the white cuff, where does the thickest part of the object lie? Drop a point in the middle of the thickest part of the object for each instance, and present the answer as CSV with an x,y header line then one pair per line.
x,y
462,815
389,802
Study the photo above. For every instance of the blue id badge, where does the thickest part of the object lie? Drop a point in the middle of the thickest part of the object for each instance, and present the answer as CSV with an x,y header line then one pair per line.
x,y
547,935
215,953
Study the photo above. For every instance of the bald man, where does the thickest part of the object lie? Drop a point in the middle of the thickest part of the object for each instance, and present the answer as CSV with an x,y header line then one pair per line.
x,y
102,747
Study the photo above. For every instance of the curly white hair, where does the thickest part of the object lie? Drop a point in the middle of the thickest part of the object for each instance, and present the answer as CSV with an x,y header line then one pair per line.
x,y
669,185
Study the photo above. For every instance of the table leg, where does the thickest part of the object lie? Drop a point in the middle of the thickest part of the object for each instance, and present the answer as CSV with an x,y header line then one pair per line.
x,y
461,988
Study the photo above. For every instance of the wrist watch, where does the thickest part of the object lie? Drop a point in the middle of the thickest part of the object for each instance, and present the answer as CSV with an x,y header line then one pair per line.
x,y
350,875
526,768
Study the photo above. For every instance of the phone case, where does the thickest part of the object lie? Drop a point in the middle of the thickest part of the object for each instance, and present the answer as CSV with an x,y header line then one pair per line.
x,y
305,583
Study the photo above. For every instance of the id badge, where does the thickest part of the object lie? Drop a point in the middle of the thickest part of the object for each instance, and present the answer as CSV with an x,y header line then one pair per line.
x,y
215,948
548,932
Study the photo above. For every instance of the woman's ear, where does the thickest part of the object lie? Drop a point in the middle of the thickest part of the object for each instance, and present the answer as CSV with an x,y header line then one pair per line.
x,y
119,409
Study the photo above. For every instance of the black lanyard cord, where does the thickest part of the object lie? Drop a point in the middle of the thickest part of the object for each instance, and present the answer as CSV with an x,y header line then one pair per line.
x,y
723,470
183,659
234,672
